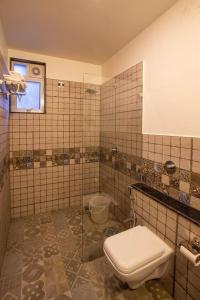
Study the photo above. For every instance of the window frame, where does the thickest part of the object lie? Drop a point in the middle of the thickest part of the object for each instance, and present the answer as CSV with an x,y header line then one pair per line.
x,y
13,102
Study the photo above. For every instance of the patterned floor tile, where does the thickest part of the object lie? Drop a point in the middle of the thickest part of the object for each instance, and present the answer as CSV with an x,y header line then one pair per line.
x,y
98,270
10,296
32,232
92,251
33,272
65,296
74,266
59,220
45,218
56,282
71,277
69,249
78,255
12,259
79,281
10,286
34,291
157,290
47,259
84,291
32,255
47,231
16,235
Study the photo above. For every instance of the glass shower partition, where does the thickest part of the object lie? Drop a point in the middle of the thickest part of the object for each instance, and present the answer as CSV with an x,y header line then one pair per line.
x,y
111,140
98,142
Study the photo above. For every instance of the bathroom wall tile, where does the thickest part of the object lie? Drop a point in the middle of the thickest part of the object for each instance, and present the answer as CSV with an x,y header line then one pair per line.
x,y
186,142
186,153
185,164
193,291
175,151
182,185
121,126
166,140
49,143
195,202
196,167
180,293
165,179
196,155
4,168
176,141
171,235
173,230
171,223
158,139
196,143
158,223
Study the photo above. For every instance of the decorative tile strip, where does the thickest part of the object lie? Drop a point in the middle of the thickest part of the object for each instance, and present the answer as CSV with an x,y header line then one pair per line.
x,y
151,173
22,160
129,165
195,184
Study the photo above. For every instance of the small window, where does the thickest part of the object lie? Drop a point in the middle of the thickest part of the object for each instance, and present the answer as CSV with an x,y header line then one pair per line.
x,y
34,99
20,68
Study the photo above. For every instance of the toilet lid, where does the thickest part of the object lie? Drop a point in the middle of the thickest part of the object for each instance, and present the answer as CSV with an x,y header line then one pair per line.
x,y
133,248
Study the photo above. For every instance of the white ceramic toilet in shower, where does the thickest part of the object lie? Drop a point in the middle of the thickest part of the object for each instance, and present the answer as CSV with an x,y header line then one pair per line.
x,y
137,255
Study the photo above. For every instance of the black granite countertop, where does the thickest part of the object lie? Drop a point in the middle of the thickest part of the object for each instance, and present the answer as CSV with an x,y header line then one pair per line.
x,y
184,210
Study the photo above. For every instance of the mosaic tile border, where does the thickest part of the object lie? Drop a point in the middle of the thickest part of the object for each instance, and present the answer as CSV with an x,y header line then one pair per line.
x,y
129,165
21,160
181,186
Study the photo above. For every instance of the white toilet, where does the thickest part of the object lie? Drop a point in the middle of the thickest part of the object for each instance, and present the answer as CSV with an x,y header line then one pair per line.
x,y
137,255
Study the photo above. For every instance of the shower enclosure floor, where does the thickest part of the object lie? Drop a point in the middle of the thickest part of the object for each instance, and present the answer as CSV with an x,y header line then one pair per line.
x,y
43,261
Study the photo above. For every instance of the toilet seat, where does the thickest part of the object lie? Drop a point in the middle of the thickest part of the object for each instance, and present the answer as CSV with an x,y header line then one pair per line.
x,y
137,255
134,248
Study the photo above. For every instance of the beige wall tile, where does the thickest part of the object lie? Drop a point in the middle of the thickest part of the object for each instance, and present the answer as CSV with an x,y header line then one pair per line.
x,y
195,202
165,179
185,164
196,143
184,187
196,167
186,142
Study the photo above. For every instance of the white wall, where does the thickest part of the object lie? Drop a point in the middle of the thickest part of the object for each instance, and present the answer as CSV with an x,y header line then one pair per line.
x,y
3,44
170,49
63,69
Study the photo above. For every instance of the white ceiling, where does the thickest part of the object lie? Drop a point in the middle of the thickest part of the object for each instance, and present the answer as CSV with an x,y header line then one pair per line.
x,y
84,30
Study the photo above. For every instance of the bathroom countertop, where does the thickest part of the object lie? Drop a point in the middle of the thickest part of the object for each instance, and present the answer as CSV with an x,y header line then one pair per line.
x,y
182,209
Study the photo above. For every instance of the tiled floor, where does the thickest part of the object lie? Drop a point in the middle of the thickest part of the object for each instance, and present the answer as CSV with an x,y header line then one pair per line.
x,y
43,261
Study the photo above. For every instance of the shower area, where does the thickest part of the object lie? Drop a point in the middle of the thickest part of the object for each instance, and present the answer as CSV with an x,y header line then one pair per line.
x,y
112,150
75,162
69,174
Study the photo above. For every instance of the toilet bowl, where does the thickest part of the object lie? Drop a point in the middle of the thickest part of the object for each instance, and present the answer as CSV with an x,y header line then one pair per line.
x,y
137,255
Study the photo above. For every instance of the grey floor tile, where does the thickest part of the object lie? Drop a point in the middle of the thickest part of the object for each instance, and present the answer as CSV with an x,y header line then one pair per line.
x,y
44,261
84,291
